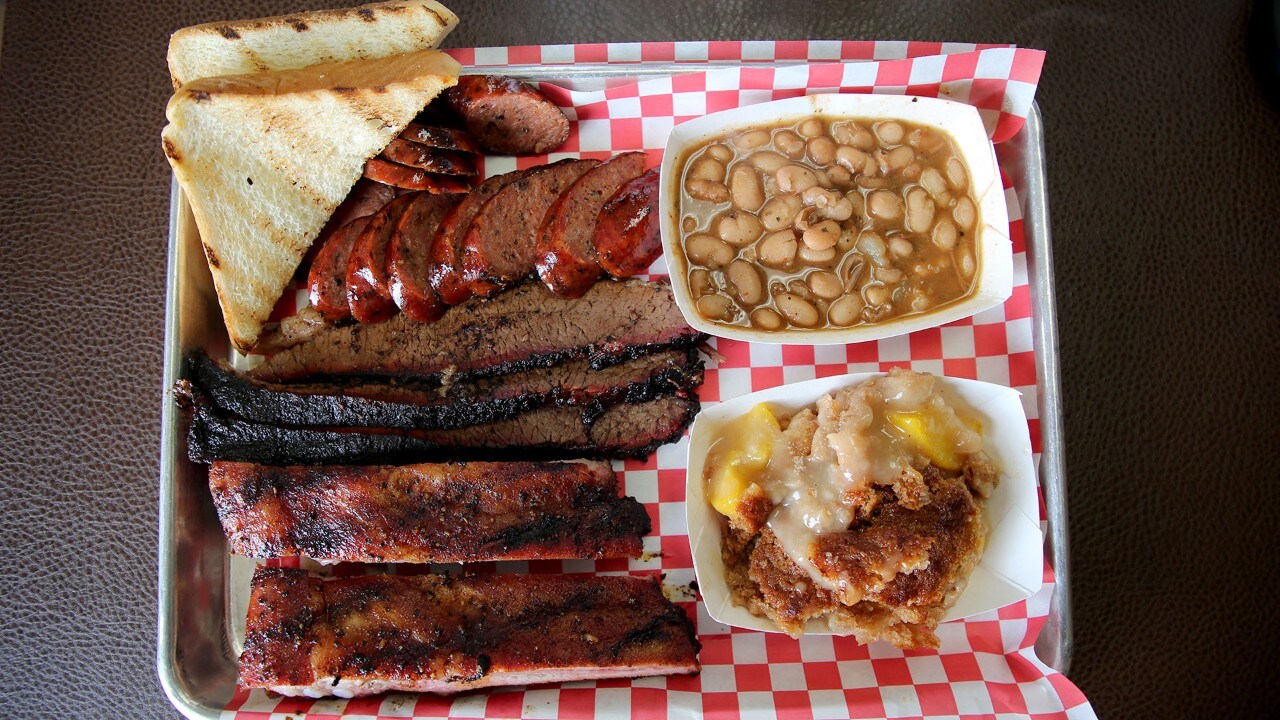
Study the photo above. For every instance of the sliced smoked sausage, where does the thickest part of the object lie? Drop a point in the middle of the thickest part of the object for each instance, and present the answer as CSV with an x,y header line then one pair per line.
x,y
408,257
446,248
507,116
434,160
368,295
366,198
411,178
565,254
327,280
498,249
442,138
628,238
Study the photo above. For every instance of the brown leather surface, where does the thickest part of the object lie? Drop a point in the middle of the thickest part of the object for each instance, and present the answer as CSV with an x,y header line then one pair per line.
x,y
1163,189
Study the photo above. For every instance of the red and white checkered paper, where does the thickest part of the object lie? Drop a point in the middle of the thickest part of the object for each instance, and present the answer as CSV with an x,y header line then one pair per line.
x,y
986,666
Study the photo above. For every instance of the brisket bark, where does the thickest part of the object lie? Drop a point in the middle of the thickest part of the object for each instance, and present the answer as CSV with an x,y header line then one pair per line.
x,y
389,404
625,430
525,327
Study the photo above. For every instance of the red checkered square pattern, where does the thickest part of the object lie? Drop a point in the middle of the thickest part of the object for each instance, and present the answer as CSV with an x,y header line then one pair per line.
x,y
986,666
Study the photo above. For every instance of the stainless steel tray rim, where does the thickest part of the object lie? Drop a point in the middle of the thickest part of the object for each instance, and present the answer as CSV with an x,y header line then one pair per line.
x,y
1052,467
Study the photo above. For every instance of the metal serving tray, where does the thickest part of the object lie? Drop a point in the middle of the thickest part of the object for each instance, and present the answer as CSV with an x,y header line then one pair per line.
x,y
196,657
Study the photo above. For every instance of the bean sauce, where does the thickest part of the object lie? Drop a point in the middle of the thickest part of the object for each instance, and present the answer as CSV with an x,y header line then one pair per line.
x,y
827,223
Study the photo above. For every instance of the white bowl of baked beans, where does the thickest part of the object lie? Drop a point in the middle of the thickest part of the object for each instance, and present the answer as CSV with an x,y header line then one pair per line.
x,y
834,219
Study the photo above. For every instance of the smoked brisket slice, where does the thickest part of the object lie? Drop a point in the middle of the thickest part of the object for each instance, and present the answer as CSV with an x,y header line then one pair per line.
x,y
527,326
434,633
547,433
381,402
447,512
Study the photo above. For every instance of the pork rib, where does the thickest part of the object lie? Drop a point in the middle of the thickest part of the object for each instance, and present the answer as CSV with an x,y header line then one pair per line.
x,y
381,403
449,512
434,633
551,433
527,326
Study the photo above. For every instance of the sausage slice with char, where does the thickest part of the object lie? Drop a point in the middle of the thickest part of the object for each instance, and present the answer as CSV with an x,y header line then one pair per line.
x,y
435,160
498,250
628,238
327,280
446,248
507,116
368,294
411,178
408,257
442,138
565,254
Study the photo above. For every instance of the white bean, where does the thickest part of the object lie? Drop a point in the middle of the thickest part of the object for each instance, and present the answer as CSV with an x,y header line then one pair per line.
x,y
689,223
945,234
707,190
789,143
839,176
957,175
885,205
714,307
920,210
745,283
708,251
965,213
707,168
967,264
797,310
863,139
897,158
796,179
845,311
910,173
822,236
851,158
932,180
925,140
889,132
831,205
873,246
817,258
822,150
767,319
779,249
811,128
799,287
767,161
901,247
876,294
825,284
739,228
721,153
745,188
843,132
751,139
887,275
780,211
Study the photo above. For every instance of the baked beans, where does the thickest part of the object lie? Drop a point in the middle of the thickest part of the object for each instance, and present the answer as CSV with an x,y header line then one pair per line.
x,y
827,223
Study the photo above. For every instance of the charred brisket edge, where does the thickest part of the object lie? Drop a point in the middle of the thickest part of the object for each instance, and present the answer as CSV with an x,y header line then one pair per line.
x,y
273,403
213,435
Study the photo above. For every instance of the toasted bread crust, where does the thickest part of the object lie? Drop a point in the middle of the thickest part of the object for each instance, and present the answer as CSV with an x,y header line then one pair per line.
x,y
287,42
264,159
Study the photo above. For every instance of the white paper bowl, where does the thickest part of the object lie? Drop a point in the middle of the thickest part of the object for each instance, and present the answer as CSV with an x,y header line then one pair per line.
x,y
1012,565
960,121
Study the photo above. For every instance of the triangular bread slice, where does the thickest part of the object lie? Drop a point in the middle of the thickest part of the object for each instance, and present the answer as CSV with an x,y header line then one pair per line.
x,y
264,159
288,42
